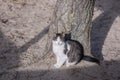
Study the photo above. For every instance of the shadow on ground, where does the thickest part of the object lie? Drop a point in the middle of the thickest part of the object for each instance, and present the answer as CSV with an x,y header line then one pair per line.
x,y
10,53
8,56
109,70
102,25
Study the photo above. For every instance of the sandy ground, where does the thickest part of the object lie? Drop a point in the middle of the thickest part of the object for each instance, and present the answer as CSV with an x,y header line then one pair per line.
x,y
23,28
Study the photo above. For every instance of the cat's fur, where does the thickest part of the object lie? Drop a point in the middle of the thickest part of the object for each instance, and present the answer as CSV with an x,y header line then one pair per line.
x,y
69,52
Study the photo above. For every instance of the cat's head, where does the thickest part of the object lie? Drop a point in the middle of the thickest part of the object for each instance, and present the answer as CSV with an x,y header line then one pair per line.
x,y
59,38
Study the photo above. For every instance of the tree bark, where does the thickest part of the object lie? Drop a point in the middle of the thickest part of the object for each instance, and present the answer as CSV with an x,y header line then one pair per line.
x,y
73,16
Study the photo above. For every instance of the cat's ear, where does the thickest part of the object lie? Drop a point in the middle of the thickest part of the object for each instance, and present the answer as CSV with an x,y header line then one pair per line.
x,y
63,34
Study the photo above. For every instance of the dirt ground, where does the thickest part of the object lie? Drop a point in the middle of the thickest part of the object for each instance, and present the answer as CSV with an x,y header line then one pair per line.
x,y
23,29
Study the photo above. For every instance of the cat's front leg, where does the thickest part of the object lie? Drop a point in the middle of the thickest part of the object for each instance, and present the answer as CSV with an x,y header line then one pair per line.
x,y
60,61
57,63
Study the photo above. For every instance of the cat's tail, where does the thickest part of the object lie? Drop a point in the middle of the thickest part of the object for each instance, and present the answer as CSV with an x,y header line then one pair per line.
x,y
91,59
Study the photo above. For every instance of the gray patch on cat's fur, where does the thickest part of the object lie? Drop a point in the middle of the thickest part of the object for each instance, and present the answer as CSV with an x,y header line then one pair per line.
x,y
75,53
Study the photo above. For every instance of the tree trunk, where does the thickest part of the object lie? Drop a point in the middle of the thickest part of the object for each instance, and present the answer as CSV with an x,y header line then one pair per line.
x,y
73,16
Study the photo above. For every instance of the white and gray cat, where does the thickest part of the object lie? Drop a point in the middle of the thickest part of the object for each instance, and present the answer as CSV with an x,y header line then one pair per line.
x,y
68,51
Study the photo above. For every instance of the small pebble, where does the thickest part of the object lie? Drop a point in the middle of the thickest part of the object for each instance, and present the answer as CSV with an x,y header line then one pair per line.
x,y
4,21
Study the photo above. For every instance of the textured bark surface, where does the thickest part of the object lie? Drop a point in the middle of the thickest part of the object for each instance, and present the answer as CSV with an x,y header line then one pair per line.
x,y
74,16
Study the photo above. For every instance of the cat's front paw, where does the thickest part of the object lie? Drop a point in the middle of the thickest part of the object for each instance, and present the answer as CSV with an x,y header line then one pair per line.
x,y
57,66
67,65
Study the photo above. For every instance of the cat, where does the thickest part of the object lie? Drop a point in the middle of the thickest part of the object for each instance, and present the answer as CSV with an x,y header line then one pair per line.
x,y
69,51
